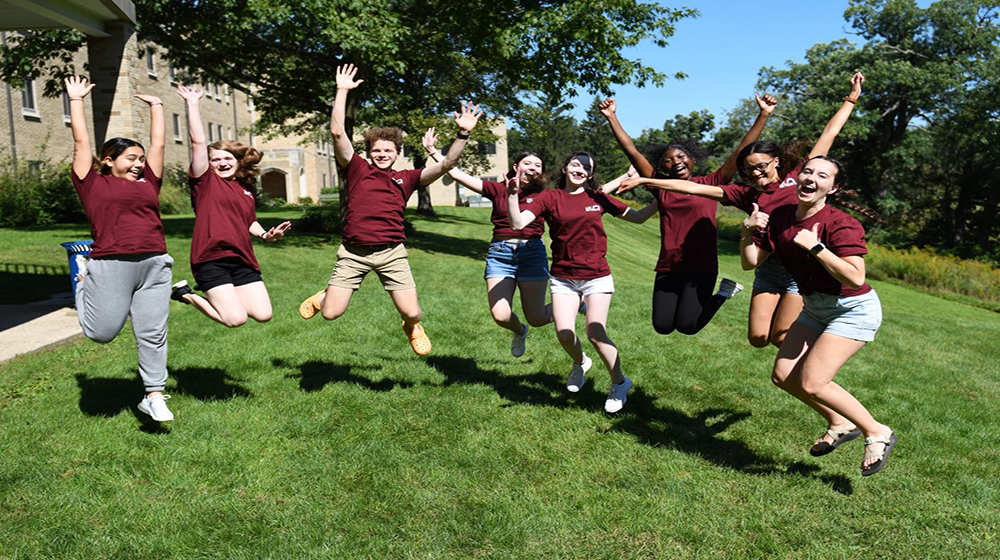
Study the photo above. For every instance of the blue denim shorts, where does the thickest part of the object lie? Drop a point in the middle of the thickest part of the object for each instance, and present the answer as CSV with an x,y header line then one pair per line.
x,y
524,261
854,317
772,277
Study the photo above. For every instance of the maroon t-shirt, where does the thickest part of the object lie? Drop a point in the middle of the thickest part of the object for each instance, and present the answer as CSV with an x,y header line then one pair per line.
x,y
783,192
579,244
841,234
224,211
124,215
497,192
688,234
376,200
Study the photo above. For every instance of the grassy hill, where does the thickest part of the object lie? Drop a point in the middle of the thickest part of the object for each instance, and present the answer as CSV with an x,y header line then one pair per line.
x,y
299,439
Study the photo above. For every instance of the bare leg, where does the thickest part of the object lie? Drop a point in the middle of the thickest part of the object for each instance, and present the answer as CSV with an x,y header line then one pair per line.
x,y
221,304
565,308
500,292
788,368
407,305
536,312
334,302
762,308
598,306
789,308
256,301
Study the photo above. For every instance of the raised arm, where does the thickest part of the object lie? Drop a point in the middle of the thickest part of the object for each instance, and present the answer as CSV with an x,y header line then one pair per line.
x,y
157,134
269,235
612,185
833,128
77,89
474,184
342,147
642,166
710,192
766,104
466,121
199,148
849,271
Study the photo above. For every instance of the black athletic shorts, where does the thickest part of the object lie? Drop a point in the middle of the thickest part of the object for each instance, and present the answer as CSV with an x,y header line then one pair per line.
x,y
224,271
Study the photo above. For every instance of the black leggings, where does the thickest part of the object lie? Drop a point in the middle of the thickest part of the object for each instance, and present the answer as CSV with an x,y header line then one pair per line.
x,y
683,301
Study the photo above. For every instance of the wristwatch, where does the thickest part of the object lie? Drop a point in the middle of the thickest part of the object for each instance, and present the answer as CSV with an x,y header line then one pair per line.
x,y
817,248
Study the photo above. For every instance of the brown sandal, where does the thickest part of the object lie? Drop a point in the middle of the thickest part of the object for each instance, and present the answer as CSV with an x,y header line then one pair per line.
x,y
419,341
309,307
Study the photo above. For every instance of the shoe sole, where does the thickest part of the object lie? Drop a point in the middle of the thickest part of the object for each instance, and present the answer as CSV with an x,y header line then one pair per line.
x,y
308,309
817,451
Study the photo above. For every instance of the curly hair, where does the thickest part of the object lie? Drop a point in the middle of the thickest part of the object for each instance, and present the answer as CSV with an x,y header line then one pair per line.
x,y
247,159
836,197
391,134
654,153
558,178
112,149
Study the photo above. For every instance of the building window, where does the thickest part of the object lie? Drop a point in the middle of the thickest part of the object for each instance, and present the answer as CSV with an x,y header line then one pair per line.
x,y
324,180
177,128
219,131
150,66
406,151
29,108
66,108
490,148
211,131
490,179
229,133
172,74
225,92
321,148
218,97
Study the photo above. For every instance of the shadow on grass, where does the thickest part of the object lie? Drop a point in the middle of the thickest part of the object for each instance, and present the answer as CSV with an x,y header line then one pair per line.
x,y
697,435
459,246
315,375
207,384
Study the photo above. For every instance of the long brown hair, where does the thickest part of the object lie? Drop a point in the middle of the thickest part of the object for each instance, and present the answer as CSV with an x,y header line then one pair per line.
x,y
247,159
836,197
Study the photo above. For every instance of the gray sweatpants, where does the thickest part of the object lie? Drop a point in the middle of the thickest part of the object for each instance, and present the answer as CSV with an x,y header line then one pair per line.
x,y
115,287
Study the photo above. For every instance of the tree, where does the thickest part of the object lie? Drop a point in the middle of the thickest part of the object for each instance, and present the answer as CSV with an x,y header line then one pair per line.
x,y
418,57
596,137
546,128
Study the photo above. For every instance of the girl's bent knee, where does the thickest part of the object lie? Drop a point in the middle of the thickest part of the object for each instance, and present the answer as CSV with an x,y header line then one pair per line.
x,y
757,341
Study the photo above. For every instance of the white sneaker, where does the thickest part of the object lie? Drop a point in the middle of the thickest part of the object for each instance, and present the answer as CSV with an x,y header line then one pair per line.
x,y
729,288
617,396
517,342
576,375
156,407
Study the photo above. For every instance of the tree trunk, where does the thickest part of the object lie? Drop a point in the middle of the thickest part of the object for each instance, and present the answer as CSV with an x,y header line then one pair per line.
x,y
424,206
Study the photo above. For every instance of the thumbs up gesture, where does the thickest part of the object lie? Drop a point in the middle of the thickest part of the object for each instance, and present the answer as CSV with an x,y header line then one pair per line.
x,y
757,220
807,238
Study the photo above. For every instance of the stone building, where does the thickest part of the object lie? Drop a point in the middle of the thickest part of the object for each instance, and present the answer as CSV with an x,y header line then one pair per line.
x,y
37,128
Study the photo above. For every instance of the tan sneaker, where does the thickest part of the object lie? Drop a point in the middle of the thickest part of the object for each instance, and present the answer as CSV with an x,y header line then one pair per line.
x,y
309,307
418,340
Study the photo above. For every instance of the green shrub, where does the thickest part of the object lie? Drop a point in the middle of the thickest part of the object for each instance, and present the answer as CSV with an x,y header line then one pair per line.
x,y
930,270
319,219
40,195
175,195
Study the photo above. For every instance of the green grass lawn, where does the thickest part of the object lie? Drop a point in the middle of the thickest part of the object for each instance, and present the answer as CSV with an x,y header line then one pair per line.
x,y
299,439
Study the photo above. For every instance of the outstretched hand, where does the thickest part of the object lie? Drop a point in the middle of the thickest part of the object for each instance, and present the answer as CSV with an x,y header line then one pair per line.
x,y
807,238
430,140
77,87
629,184
856,80
608,107
514,183
469,117
276,233
757,220
148,99
190,94
766,103
345,77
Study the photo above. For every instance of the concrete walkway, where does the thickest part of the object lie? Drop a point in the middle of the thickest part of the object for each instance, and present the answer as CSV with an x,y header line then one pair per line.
x,y
35,326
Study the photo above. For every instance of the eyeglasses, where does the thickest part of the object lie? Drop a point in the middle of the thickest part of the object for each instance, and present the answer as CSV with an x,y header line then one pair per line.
x,y
760,167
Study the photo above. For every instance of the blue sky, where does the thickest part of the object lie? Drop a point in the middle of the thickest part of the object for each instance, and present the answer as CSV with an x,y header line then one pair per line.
x,y
721,52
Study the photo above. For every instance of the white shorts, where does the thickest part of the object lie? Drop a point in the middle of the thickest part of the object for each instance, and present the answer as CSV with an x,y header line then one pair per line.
x,y
583,288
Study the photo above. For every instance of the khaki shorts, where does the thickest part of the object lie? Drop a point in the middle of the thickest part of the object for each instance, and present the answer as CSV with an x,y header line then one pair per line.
x,y
356,261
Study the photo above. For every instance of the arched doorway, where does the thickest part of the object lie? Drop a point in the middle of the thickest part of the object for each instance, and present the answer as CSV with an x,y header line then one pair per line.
x,y
274,184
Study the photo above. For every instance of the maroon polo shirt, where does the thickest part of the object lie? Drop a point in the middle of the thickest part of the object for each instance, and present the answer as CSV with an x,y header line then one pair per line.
x,y
579,243
224,211
497,192
124,215
376,199
842,234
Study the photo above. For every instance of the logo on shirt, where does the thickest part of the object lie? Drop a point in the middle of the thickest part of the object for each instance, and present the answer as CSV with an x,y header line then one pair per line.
x,y
248,193
528,200
398,181
593,208
789,182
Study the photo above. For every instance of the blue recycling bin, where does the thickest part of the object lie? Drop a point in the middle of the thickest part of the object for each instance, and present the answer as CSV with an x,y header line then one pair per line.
x,y
78,251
